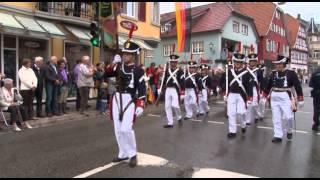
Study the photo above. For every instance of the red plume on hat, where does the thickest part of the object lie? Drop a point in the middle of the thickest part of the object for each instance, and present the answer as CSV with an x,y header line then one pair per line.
x,y
174,47
252,48
131,31
239,46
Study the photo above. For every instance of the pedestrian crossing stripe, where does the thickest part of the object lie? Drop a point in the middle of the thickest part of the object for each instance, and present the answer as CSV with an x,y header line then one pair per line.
x,y
217,173
143,160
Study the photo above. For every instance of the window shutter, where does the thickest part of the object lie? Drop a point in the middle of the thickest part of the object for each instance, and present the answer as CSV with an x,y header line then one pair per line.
x,y
142,11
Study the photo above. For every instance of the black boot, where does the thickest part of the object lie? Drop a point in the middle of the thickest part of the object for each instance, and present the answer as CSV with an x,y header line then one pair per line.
x,y
133,161
64,108
276,140
180,122
232,135
289,136
168,126
315,128
59,109
115,160
243,130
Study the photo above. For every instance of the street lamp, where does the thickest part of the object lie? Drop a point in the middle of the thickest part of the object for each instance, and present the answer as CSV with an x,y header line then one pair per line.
x,y
211,46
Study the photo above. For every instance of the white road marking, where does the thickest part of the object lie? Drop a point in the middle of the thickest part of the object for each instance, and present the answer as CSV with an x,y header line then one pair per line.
x,y
219,122
262,127
154,115
95,171
213,122
143,160
217,173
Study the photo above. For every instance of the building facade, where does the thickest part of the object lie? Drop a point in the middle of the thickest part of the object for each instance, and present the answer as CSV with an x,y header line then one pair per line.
x,y
30,29
314,46
269,20
211,43
297,36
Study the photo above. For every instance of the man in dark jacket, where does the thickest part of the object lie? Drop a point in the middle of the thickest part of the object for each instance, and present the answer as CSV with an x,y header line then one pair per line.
x,y
315,94
52,83
39,72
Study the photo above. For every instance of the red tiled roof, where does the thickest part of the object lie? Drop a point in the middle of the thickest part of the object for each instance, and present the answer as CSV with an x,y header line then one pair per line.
x,y
292,26
214,19
261,12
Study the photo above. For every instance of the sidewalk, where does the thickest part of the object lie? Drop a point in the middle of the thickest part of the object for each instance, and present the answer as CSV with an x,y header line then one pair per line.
x,y
72,115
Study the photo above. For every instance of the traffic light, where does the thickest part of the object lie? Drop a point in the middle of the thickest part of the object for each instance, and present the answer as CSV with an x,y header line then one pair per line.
x,y
95,35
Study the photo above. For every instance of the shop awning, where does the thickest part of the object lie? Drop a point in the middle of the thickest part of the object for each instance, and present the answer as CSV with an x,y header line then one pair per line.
x,y
79,33
30,24
51,28
141,43
8,20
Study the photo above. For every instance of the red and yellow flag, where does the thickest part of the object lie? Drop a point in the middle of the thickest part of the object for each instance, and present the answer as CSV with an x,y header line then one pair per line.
x,y
183,19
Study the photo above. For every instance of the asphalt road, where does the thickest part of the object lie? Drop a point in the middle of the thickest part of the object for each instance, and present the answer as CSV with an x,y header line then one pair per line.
x,y
200,148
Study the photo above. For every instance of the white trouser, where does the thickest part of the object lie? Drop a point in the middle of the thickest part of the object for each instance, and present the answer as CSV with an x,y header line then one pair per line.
x,y
172,102
252,112
203,102
190,102
124,133
236,106
281,109
261,108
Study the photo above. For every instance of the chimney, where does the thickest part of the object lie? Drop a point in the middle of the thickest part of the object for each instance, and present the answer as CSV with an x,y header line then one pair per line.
x,y
299,17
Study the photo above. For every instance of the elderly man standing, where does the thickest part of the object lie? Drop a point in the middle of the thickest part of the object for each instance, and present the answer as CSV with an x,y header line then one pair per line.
x,y
85,81
38,71
29,84
10,100
52,82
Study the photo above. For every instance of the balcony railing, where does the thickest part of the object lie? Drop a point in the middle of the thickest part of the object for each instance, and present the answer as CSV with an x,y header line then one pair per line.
x,y
72,9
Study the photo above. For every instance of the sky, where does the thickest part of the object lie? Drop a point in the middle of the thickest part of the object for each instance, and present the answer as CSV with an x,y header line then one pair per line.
x,y
306,9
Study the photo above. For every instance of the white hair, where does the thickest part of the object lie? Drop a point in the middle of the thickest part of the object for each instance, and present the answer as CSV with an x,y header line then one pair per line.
x,y
8,81
38,58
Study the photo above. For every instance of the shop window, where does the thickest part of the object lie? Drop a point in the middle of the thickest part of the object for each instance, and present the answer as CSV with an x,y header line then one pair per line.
x,y
9,42
31,48
73,53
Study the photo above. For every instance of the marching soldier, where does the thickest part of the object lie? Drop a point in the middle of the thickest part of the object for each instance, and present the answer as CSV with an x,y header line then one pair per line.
x,y
283,102
125,106
256,79
262,100
173,82
207,85
239,93
193,88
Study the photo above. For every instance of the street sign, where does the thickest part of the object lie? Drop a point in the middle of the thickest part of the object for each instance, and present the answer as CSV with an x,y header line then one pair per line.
x,y
106,9
127,25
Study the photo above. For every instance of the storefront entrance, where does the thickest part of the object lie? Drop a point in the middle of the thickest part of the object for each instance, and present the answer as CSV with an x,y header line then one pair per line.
x,y
15,48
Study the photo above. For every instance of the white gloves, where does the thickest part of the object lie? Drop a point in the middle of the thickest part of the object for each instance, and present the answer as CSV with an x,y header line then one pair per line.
x,y
211,93
263,100
139,111
225,98
116,59
300,104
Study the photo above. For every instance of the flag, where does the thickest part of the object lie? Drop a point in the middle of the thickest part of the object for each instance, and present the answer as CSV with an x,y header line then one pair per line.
x,y
183,21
